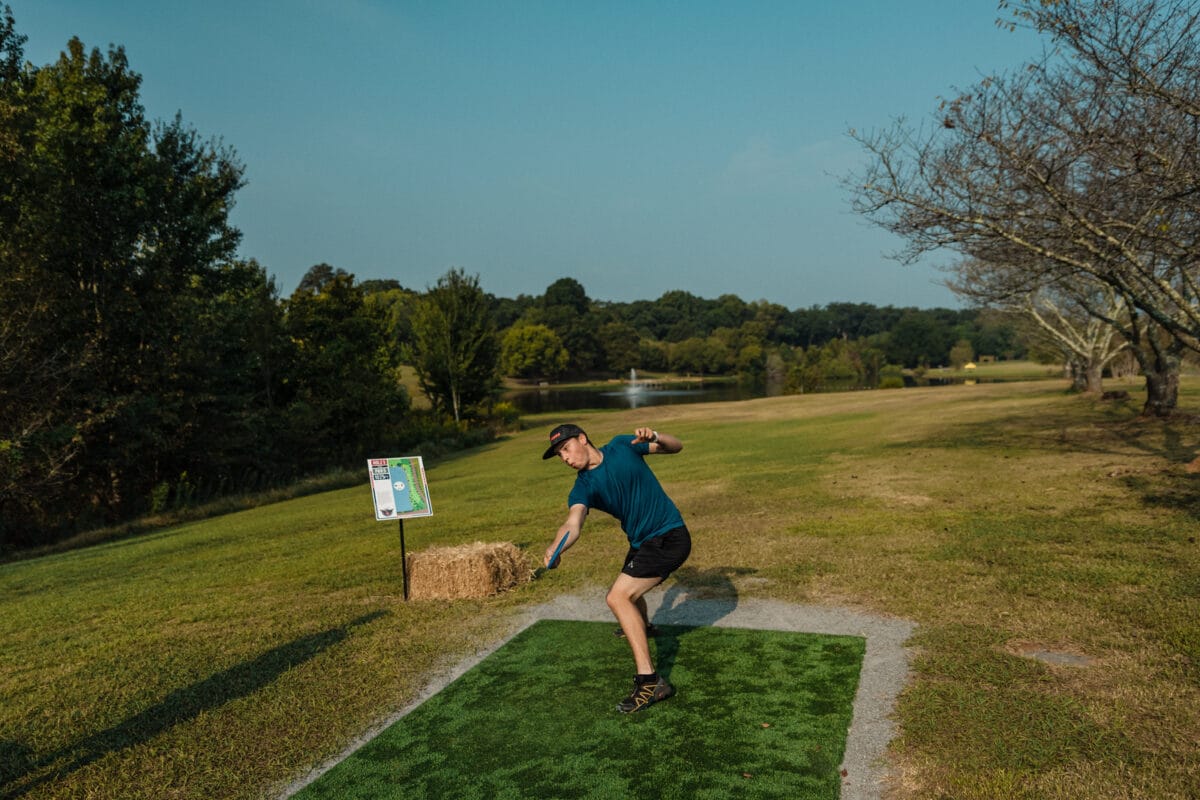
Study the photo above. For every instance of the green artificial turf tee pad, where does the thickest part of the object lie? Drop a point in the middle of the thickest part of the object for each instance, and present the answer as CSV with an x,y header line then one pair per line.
x,y
757,714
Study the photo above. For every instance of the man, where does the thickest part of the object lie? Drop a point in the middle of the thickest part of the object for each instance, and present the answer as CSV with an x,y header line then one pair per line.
x,y
616,480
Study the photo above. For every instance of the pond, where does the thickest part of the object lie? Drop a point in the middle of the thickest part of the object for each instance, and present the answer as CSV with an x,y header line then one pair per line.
x,y
638,395
619,396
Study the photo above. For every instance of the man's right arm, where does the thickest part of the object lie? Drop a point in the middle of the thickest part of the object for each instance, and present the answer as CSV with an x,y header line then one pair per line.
x,y
571,529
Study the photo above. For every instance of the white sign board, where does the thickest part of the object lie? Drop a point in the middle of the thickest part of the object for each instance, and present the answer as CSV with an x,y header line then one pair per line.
x,y
398,488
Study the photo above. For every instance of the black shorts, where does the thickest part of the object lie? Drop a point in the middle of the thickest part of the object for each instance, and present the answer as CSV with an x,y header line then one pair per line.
x,y
660,556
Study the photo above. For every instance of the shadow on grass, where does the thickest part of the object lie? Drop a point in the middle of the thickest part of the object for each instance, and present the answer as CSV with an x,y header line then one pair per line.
x,y
1171,490
697,598
179,706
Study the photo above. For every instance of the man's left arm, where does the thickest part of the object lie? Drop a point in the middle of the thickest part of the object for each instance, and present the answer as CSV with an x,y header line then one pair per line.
x,y
659,442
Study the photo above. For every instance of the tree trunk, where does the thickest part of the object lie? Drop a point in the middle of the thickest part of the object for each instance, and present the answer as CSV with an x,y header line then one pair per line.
x,y
1162,392
1079,374
1093,377
1161,367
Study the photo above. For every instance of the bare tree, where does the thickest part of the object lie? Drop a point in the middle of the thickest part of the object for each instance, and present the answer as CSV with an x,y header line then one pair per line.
x,y
1078,169
1089,342
1081,320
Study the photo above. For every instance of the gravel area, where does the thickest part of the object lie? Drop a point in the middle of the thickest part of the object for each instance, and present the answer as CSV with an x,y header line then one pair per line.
x,y
884,669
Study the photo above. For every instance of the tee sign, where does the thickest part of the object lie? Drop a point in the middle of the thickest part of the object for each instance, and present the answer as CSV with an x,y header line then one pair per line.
x,y
398,488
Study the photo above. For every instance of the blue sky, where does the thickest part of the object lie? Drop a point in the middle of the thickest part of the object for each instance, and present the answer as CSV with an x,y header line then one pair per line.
x,y
637,147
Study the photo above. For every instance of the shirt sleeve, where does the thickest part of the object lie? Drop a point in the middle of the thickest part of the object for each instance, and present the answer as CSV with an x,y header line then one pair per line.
x,y
579,496
641,448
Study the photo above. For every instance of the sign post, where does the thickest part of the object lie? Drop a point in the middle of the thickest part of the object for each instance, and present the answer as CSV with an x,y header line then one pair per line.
x,y
403,559
399,490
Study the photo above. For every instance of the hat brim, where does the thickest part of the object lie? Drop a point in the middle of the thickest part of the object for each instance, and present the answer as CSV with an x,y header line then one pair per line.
x,y
559,437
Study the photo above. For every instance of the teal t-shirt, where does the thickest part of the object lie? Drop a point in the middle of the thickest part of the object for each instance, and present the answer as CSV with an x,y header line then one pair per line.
x,y
623,486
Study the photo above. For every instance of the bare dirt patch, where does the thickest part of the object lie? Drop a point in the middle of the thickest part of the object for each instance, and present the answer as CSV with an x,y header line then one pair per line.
x,y
1049,654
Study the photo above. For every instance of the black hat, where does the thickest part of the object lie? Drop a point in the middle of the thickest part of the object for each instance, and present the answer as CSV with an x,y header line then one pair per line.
x,y
559,436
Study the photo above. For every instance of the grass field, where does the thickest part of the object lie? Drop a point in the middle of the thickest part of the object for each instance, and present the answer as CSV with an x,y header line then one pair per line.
x,y
1001,371
226,657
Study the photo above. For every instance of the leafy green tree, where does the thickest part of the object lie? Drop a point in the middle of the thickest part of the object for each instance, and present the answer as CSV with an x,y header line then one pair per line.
x,y
566,309
532,351
642,316
919,338
774,320
751,365
506,311
961,353
232,368
392,307
836,364
719,358
776,369
455,349
380,285
728,311
678,316
718,355
11,48
691,356
343,395
568,294
812,326
620,342
996,334
114,234
871,361
683,329
654,355
891,376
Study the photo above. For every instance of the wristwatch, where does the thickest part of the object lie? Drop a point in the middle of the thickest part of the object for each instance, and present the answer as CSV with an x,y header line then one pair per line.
x,y
654,436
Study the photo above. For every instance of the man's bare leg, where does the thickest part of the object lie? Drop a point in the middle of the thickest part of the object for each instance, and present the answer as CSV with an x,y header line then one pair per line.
x,y
628,604
641,604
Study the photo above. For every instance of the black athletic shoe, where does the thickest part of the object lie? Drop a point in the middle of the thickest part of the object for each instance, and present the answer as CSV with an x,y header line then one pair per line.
x,y
644,694
651,631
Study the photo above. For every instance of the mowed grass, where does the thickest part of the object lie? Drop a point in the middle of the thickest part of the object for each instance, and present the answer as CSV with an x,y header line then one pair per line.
x,y
226,658
1000,371
761,714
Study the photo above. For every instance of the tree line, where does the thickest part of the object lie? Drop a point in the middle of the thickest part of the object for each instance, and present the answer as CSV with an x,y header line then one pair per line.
x,y
564,333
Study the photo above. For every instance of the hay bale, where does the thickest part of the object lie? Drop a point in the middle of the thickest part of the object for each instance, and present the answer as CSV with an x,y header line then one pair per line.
x,y
467,570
